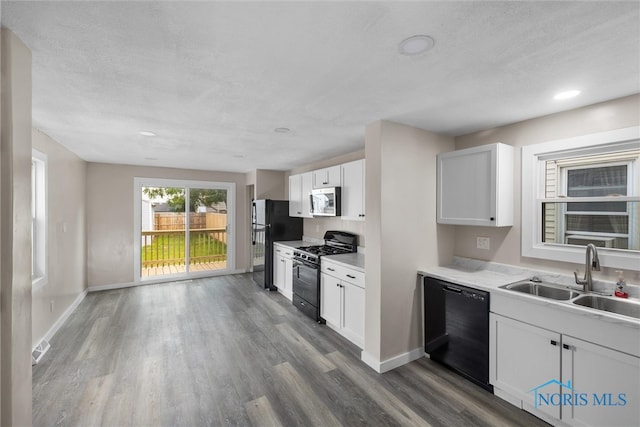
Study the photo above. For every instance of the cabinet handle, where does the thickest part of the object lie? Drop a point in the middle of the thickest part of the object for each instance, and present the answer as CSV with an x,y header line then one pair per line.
x,y
299,213
330,269
350,276
566,346
325,183
554,342
492,219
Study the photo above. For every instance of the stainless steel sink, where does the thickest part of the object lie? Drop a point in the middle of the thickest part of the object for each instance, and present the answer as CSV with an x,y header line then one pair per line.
x,y
612,305
542,290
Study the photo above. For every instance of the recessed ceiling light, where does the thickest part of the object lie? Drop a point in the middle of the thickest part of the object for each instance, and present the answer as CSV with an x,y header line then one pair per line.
x,y
566,95
146,133
416,45
282,130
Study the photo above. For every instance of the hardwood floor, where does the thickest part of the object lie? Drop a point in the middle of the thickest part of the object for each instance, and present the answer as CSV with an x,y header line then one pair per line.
x,y
221,351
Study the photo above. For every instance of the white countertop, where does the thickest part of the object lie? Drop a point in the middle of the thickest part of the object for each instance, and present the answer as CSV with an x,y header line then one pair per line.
x,y
489,276
353,260
486,276
293,244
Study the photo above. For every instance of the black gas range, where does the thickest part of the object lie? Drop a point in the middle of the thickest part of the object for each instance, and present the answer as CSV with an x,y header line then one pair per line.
x,y
306,269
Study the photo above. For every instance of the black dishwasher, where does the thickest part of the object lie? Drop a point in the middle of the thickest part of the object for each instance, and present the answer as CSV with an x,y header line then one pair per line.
x,y
456,328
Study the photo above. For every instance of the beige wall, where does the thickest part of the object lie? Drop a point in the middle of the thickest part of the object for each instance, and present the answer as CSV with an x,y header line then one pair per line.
x,y
269,185
110,239
316,227
402,233
15,233
66,235
505,242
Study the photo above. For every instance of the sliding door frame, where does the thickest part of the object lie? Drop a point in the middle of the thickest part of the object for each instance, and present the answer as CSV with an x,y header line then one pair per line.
x,y
139,183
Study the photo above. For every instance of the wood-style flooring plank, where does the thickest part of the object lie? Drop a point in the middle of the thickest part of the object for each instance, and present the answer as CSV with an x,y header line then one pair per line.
x,y
384,398
299,390
223,352
261,413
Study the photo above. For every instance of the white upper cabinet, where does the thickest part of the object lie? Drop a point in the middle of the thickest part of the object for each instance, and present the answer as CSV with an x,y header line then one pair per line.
x,y
299,191
475,186
353,198
327,177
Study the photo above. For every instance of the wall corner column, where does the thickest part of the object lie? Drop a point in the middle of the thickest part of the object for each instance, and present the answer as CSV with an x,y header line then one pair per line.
x,y
15,232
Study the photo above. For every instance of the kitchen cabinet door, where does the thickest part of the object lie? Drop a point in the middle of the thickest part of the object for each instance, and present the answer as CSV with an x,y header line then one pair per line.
x,y
295,195
327,177
353,313
522,358
307,185
606,381
353,197
475,186
299,191
330,300
283,270
287,279
278,270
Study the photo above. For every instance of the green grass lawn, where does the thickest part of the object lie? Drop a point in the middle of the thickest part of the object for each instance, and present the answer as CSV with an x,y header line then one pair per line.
x,y
171,247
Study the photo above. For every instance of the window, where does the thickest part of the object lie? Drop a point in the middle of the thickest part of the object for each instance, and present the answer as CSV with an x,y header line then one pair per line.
x,y
38,218
583,190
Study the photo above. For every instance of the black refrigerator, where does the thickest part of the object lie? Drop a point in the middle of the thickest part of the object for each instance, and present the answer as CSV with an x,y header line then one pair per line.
x,y
270,223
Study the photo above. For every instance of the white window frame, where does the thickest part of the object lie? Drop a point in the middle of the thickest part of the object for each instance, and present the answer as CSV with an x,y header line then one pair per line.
x,y
39,219
632,170
230,187
533,195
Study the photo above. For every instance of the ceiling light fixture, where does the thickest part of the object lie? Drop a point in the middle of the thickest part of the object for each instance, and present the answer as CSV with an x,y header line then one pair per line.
x,y
566,95
282,130
146,133
415,45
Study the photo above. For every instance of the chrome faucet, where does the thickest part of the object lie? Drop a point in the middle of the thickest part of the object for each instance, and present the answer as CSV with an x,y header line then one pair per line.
x,y
591,262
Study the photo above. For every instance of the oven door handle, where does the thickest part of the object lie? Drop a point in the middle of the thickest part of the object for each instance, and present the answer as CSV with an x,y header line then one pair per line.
x,y
298,263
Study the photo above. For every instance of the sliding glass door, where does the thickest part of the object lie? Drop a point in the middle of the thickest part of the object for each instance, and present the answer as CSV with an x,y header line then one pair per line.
x,y
183,228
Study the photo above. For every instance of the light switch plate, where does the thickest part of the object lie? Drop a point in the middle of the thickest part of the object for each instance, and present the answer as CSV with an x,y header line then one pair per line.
x,y
483,243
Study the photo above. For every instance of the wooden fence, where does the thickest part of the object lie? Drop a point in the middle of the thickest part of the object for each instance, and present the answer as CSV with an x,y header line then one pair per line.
x,y
166,221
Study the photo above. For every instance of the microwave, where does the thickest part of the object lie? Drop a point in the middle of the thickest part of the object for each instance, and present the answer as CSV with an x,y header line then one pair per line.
x,y
325,202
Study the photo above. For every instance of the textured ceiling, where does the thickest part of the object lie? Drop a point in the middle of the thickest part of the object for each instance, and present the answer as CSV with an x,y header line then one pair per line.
x,y
214,79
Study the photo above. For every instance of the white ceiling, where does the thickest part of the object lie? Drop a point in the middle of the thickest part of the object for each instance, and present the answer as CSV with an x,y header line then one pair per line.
x,y
214,79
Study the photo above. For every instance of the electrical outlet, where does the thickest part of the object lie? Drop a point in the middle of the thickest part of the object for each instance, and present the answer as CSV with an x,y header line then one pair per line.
x,y
51,306
483,243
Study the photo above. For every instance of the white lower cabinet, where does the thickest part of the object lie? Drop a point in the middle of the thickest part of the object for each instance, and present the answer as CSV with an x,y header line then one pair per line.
x,y
524,356
565,378
606,382
283,270
342,301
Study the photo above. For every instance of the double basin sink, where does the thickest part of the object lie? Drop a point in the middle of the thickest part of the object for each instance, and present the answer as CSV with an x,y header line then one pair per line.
x,y
584,299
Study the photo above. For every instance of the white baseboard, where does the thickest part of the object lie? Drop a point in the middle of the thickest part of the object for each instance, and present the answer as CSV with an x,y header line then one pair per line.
x,y
96,288
58,323
392,363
